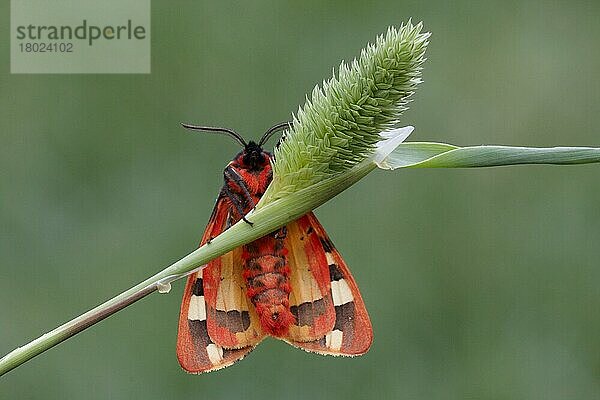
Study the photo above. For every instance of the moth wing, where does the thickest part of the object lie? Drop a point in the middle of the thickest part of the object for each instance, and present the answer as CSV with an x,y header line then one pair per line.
x,y
197,349
310,299
351,333
232,320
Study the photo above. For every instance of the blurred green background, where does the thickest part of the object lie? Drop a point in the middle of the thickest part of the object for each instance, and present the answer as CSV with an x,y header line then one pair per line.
x,y
480,283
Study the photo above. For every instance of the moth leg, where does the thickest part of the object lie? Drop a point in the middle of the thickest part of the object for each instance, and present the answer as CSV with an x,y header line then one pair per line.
x,y
236,203
230,174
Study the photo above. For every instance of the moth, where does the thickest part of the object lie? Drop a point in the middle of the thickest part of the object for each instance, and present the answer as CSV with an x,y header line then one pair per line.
x,y
291,284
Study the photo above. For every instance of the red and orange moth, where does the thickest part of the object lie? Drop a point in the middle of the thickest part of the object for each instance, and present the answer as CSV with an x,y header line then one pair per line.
x,y
291,284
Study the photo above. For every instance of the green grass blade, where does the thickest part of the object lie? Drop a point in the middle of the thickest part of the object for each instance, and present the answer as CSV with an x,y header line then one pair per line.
x,y
440,155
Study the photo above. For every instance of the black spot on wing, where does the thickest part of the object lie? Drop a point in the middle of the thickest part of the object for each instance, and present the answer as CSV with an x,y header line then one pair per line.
x,y
310,230
327,244
306,313
344,315
294,311
245,320
303,314
344,321
235,321
198,289
200,340
199,332
335,273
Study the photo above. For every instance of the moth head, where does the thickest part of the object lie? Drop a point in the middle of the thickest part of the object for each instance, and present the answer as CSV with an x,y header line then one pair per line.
x,y
252,156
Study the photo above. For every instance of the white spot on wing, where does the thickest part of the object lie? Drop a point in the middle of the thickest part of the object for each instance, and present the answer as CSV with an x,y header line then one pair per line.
x,y
341,293
197,309
329,258
333,339
215,353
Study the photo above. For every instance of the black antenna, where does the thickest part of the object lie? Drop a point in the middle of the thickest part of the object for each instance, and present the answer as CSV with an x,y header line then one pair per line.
x,y
228,132
272,130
